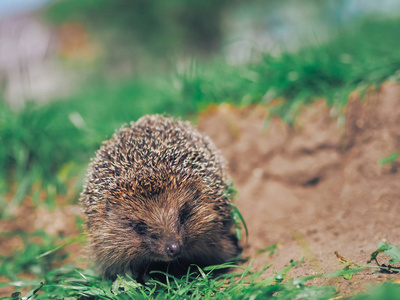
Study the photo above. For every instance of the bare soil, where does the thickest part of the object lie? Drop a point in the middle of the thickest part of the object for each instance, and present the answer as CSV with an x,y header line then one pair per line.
x,y
316,188
313,188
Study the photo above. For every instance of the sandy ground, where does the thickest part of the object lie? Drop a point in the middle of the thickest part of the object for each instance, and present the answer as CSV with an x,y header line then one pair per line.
x,y
314,188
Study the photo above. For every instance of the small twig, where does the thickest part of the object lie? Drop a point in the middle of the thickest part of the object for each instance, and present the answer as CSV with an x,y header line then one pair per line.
x,y
343,259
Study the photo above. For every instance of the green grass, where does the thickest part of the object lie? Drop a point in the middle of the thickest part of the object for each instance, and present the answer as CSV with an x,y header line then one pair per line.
x,y
68,282
26,258
243,282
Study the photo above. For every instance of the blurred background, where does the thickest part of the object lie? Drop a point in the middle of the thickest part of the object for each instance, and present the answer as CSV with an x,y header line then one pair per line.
x,y
73,71
53,49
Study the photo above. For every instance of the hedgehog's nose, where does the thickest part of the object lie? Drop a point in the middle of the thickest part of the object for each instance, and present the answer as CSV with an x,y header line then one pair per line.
x,y
173,249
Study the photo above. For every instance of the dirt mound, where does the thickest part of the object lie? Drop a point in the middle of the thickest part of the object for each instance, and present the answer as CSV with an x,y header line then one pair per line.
x,y
316,188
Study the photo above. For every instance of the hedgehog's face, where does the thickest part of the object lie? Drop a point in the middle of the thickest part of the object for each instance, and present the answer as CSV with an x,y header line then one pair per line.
x,y
169,224
163,245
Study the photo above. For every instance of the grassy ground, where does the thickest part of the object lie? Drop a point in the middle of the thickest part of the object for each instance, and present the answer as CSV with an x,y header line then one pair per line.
x,y
69,281
47,147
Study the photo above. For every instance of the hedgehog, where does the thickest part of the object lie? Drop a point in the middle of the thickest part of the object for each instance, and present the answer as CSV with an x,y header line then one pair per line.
x,y
156,198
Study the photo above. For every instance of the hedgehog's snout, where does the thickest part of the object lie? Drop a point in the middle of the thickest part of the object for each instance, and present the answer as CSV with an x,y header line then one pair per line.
x,y
173,249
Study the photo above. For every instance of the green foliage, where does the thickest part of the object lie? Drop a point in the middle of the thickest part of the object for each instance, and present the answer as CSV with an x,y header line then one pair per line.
x,y
159,27
50,252
207,283
26,259
37,142
387,291
270,249
347,276
388,160
390,250
69,281
238,220
197,284
352,60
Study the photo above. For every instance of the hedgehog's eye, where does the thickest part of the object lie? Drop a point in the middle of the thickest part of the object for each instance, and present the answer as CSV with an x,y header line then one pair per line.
x,y
140,228
155,236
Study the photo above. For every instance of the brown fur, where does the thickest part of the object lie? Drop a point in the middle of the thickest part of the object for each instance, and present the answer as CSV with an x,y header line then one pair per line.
x,y
156,182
